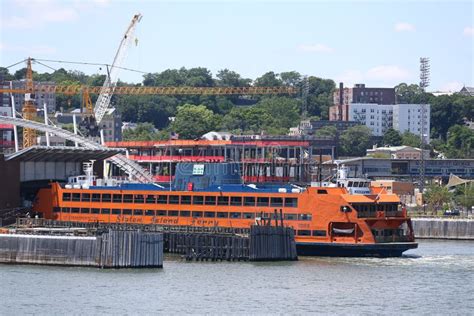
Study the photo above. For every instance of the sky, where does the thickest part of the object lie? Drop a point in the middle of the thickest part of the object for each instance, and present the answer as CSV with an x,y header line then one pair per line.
x,y
378,43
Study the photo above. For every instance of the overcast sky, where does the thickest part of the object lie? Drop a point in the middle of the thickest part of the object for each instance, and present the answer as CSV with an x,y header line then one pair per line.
x,y
374,42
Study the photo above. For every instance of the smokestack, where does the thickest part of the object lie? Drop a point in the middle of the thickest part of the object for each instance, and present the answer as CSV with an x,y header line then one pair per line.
x,y
341,93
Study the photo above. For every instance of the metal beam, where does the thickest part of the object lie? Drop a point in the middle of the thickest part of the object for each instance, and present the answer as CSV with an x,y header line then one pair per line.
x,y
130,167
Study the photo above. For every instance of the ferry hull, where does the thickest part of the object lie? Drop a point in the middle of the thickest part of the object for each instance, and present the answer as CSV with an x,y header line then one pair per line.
x,y
382,250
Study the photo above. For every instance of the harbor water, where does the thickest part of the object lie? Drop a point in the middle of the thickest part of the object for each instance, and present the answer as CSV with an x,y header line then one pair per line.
x,y
437,278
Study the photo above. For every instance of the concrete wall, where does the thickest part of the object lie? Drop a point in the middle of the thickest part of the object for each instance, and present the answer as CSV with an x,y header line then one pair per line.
x,y
115,249
48,170
439,228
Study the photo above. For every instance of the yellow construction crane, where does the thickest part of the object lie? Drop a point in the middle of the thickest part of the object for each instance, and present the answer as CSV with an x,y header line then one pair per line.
x,y
29,108
141,90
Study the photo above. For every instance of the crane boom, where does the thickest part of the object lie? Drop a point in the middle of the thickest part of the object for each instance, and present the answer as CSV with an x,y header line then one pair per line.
x,y
142,90
110,82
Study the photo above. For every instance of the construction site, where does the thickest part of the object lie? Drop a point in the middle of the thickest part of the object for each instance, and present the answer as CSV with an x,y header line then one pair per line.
x,y
39,150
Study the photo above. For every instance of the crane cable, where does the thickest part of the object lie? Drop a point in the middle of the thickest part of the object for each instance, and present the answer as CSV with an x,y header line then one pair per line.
x,y
73,62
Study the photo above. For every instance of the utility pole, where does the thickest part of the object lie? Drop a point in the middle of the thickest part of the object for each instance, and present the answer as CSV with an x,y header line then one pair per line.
x,y
304,112
424,83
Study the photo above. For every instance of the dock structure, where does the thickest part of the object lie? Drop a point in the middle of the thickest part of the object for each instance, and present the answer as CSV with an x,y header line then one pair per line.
x,y
109,249
260,242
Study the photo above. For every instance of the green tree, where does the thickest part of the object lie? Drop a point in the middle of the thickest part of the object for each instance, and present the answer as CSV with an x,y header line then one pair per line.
x,y
465,196
392,138
291,78
320,96
355,141
269,79
5,74
460,143
283,111
405,93
436,197
143,131
192,121
327,131
410,139
446,111
228,78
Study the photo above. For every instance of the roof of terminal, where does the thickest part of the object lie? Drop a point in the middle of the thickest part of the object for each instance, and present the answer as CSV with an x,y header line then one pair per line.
x,y
62,153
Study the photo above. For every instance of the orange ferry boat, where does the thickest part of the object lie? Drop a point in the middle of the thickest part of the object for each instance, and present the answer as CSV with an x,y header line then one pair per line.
x,y
350,219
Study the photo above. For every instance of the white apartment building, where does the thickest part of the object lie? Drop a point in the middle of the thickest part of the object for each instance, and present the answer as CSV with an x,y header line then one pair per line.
x,y
401,117
377,117
408,117
40,98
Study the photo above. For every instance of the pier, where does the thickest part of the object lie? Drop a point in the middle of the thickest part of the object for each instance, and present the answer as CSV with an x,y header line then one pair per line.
x,y
39,241
77,247
444,228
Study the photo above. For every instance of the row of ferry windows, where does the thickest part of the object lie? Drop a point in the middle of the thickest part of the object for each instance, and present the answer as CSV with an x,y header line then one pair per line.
x,y
181,199
173,213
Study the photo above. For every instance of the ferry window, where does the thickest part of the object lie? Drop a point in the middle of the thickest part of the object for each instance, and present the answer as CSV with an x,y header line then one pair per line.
x,y
290,217
210,214
127,198
236,200
185,199
85,210
127,212
322,191
304,233
86,197
161,213
235,215
223,200
75,210
173,213
150,199
117,198
210,200
138,198
197,214
249,201
248,215
65,210
198,199
319,233
137,212
262,201
345,209
106,197
349,185
66,196
185,213
105,211
56,209
305,217
95,197
222,215
95,211
291,202
76,197
116,211
150,213
174,199
276,201
162,199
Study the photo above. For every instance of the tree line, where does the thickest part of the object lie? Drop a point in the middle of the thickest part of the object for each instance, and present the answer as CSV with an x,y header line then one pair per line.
x,y
192,116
